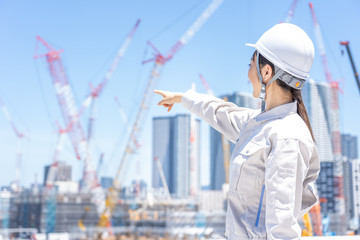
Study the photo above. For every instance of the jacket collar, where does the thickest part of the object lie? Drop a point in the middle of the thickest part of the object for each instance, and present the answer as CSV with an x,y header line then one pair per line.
x,y
277,112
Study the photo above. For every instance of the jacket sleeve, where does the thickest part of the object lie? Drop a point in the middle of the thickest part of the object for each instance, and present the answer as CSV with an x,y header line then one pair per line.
x,y
285,171
225,117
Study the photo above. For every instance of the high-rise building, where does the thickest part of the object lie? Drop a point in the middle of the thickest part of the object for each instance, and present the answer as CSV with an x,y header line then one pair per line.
x,y
217,172
355,167
63,172
173,143
349,146
351,179
321,101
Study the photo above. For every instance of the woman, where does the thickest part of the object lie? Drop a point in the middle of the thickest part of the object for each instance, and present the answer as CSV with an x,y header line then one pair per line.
x,y
274,163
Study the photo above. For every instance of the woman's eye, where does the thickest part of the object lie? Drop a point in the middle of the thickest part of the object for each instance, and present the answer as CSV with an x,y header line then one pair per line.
x,y
249,65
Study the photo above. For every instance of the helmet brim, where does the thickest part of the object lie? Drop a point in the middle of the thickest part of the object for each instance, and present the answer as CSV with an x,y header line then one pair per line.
x,y
251,45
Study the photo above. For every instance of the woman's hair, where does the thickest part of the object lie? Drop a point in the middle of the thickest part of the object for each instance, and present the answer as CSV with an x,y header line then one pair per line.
x,y
295,93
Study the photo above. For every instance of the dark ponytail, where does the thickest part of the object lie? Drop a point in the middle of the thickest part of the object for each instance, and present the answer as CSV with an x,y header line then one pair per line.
x,y
296,94
301,110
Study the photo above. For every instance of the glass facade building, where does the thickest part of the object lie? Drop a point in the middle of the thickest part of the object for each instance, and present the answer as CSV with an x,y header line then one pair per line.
x,y
217,171
172,146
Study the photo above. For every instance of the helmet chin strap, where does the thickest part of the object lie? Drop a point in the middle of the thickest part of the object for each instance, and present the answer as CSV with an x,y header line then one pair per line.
x,y
278,72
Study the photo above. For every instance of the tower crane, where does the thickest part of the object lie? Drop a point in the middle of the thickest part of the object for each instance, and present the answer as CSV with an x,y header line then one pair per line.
x,y
321,47
53,167
126,121
96,91
291,11
163,178
159,61
356,74
70,114
224,141
335,129
19,136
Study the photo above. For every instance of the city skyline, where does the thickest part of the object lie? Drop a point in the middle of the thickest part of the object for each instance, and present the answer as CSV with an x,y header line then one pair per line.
x,y
89,44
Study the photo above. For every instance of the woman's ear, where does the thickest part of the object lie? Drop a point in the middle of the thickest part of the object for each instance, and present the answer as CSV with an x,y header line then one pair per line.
x,y
266,73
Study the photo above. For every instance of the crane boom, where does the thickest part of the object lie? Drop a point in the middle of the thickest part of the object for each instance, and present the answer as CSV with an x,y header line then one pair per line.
x,y
70,114
163,178
160,60
291,12
19,136
321,46
95,92
356,74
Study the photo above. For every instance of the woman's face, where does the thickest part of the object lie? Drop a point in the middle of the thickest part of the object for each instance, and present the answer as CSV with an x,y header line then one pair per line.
x,y
253,77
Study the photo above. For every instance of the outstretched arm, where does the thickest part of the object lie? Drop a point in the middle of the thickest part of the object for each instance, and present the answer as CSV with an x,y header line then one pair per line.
x,y
225,117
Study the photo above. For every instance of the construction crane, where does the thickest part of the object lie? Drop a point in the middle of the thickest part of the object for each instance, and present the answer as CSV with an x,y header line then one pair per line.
x,y
96,91
51,175
308,230
334,115
321,47
126,121
291,12
70,114
159,61
20,137
224,141
162,177
315,214
356,74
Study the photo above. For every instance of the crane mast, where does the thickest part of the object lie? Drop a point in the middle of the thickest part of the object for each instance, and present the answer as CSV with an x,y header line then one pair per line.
x,y
96,91
70,114
159,62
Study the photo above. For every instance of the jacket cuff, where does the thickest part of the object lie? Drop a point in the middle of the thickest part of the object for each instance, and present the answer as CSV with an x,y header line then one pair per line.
x,y
188,99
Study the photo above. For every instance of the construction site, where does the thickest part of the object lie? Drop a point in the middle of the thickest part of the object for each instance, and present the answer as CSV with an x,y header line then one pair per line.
x,y
175,205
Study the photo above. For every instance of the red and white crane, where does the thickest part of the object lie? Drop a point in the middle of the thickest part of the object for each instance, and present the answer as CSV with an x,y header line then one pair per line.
x,y
51,176
70,114
321,47
96,91
291,12
159,61
19,136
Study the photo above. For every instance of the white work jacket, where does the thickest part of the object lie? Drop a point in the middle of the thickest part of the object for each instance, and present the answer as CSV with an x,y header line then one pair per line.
x,y
273,166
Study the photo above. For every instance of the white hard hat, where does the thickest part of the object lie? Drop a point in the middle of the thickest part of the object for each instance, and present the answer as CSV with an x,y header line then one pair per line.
x,y
288,47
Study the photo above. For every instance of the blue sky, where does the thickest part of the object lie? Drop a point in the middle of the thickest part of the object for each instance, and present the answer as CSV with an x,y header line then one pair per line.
x,y
90,32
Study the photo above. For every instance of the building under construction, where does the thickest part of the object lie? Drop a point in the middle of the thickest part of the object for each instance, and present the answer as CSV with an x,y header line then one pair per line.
x,y
74,213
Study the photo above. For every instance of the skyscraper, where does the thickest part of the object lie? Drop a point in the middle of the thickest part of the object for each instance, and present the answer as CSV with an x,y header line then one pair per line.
x,y
354,221
351,179
321,101
217,172
349,146
173,141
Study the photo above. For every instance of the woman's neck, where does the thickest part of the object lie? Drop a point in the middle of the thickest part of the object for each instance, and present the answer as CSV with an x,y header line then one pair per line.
x,y
276,96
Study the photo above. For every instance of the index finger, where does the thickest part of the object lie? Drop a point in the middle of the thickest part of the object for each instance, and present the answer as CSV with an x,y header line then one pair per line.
x,y
159,92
